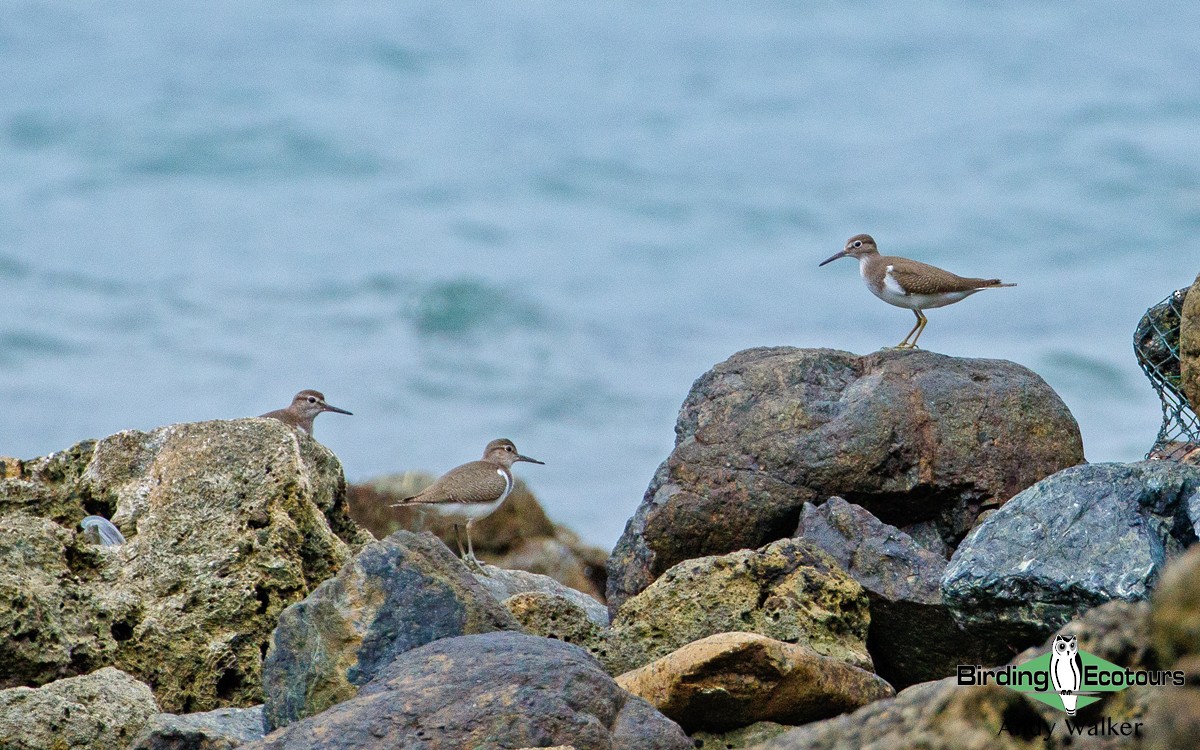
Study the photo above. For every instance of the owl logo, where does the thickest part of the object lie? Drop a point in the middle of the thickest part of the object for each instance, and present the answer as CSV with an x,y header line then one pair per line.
x,y
1066,671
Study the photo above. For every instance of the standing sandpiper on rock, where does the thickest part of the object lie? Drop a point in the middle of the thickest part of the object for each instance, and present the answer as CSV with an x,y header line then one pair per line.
x,y
474,489
303,410
909,283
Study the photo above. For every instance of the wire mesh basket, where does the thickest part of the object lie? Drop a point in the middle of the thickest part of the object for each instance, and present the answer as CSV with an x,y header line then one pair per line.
x,y
1156,344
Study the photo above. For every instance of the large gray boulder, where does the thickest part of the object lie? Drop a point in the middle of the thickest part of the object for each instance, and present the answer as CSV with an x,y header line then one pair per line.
x,y
504,584
1087,535
912,436
226,524
99,711
912,637
222,729
496,690
395,595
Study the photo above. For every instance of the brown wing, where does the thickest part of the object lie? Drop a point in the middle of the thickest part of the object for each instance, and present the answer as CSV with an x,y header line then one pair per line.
x,y
476,482
916,277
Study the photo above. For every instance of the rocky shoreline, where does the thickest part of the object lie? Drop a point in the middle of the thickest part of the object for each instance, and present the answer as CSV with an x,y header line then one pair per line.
x,y
832,536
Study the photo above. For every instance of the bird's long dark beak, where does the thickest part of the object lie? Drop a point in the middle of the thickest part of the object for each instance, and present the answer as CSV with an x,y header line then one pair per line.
x,y
330,407
530,460
832,258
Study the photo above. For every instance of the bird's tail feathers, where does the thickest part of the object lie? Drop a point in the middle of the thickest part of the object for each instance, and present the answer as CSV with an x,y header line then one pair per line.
x,y
414,500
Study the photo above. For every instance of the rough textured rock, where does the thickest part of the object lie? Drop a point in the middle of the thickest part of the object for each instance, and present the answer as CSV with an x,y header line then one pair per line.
x,y
503,584
100,711
227,523
742,738
1084,536
1175,619
910,435
222,729
393,596
563,558
518,535
1174,712
912,637
944,716
1189,346
497,690
550,616
930,716
732,680
789,590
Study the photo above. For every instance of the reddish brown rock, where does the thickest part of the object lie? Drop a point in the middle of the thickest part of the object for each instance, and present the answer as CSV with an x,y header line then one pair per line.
x,y
912,436
732,680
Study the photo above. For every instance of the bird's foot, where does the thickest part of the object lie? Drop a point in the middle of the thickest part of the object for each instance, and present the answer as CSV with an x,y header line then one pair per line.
x,y
473,564
904,345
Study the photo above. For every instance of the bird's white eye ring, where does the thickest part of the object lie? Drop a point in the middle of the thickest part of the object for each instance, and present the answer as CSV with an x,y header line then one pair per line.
x,y
312,400
858,243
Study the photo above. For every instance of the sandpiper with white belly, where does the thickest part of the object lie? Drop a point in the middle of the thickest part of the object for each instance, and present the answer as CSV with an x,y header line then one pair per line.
x,y
474,489
909,283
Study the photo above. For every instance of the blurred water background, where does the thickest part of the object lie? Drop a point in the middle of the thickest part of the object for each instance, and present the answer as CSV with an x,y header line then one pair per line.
x,y
543,220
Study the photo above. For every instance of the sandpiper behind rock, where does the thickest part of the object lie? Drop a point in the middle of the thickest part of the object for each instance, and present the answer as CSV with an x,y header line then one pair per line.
x,y
909,283
474,489
303,410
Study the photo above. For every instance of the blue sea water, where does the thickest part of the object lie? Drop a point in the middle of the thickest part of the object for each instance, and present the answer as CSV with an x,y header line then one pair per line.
x,y
543,220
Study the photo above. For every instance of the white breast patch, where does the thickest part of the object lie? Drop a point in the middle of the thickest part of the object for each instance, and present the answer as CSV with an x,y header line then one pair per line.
x,y
890,282
508,484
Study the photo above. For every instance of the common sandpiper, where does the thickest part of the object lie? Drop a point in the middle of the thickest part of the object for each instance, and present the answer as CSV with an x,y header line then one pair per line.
x,y
909,283
474,489
303,410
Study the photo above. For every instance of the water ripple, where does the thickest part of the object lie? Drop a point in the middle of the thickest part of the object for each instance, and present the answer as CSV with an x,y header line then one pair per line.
x,y
464,306
11,268
268,150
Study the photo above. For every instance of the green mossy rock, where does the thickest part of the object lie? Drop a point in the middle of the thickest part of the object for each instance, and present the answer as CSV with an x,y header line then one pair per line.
x,y
739,739
551,616
789,590
227,523
100,711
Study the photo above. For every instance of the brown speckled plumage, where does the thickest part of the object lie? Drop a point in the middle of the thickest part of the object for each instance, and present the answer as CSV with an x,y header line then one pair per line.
x,y
476,488
921,278
475,482
910,284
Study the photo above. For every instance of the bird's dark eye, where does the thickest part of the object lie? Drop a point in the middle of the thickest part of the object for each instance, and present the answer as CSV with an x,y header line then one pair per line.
x,y
858,243
508,448
312,400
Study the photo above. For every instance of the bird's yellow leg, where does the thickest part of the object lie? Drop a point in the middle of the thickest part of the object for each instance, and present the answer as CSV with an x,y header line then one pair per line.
x,y
905,344
470,558
458,540
920,328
